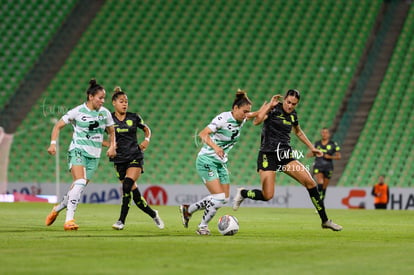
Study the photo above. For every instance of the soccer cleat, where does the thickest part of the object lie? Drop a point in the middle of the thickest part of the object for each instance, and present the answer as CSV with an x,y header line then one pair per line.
x,y
184,214
331,225
118,225
158,222
203,231
50,219
238,199
70,225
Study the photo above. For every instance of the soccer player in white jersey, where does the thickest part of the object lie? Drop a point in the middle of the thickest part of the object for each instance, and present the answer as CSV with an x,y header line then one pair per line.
x,y
218,137
89,121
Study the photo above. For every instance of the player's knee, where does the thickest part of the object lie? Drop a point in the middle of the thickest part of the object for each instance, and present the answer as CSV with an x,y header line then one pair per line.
x,y
127,185
81,182
267,196
309,184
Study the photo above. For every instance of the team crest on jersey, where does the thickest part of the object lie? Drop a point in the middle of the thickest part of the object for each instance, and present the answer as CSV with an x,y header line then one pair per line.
x,y
129,122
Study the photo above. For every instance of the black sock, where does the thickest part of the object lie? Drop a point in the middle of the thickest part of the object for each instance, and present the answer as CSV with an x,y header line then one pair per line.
x,y
320,187
254,194
321,191
323,194
126,199
318,203
142,203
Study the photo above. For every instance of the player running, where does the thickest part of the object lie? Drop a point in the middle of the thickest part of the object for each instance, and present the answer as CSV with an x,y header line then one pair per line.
x,y
219,137
89,121
279,118
129,159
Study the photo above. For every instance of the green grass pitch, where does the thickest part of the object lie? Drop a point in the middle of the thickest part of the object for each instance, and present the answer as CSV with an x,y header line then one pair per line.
x,y
270,241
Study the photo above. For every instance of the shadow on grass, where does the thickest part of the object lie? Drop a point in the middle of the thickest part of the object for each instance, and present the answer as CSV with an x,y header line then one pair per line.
x,y
88,233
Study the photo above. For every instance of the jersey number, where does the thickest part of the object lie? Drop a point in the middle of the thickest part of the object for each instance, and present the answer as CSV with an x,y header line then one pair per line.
x,y
235,134
93,125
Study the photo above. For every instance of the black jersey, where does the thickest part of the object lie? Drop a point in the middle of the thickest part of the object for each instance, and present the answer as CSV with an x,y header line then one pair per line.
x,y
277,128
330,148
126,138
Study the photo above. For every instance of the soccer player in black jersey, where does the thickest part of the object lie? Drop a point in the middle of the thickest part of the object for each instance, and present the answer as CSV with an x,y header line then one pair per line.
x,y
323,166
129,160
275,154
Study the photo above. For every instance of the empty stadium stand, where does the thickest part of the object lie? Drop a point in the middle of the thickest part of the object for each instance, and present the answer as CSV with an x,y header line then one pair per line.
x,y
385,145
181,63
26,29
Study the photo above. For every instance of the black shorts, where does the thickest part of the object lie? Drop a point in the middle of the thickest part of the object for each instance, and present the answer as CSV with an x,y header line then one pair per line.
x,y
326,173
274,161
121,168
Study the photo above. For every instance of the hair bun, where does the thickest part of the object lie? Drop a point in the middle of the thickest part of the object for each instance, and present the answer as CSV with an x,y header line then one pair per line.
x,y
241,98
92,82
117,89
241,93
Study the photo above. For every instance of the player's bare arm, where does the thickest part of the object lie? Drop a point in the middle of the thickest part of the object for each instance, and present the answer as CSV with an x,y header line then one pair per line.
x,y
54,136
205,137
265,109
144,144
302,137
112,143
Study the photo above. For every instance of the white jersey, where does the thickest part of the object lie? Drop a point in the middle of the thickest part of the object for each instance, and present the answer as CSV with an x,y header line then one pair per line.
x,y
88,128
226,133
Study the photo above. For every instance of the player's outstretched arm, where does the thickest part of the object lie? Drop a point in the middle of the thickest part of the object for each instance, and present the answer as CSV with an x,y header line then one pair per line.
x,y
54,136
261,114
302,137
254,114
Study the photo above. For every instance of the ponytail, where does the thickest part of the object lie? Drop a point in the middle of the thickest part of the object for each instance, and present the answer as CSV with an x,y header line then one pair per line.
x,y
117,92
93,88
241,99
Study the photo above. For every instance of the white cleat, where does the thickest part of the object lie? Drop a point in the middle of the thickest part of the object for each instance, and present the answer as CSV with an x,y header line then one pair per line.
x,y
329,224
118,225
158,222
238,199
203,231
185,215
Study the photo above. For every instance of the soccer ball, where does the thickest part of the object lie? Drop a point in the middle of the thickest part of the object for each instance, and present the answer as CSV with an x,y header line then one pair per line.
x,y
228,225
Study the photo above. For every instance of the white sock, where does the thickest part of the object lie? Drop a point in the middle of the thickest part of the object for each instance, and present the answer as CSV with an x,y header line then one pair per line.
x,y
74,196
201,204
63,204
217,201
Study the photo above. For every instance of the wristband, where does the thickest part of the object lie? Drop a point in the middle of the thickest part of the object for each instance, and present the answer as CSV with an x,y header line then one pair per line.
x,y
53,142
147,139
